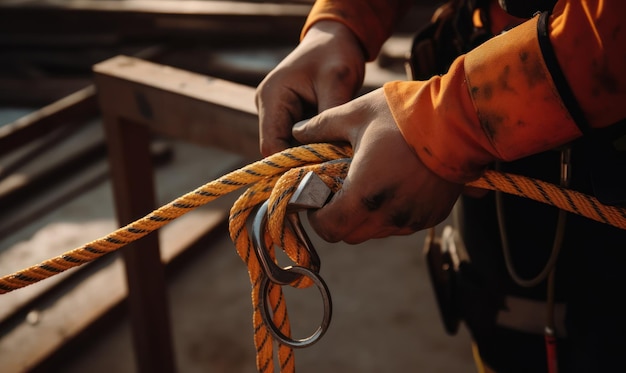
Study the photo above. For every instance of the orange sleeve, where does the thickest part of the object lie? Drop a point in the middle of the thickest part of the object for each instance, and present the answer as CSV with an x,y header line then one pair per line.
x,y
371,21
500,100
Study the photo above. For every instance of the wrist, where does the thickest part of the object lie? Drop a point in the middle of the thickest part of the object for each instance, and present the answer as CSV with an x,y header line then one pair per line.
x,y
336,32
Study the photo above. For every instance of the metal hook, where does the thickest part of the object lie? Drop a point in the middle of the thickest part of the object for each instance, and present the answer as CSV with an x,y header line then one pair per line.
x,y
309,194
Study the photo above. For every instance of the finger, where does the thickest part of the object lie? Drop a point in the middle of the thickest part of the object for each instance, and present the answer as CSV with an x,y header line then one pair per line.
x,y
339,217
275,127
278,109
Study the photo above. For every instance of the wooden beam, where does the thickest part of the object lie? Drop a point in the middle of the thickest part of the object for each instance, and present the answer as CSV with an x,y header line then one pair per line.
x,y
135,196
191,107
40,91
219,21
75,108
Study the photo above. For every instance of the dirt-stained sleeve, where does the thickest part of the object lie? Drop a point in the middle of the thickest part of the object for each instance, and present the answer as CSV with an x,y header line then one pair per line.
x,y
372,21
500,101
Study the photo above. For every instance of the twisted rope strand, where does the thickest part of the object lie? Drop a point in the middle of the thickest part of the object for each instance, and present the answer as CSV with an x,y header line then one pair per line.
x,y
273,165
239,215
551,194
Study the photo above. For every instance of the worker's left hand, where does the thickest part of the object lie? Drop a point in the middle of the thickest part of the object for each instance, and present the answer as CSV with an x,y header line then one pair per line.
x,y
388,190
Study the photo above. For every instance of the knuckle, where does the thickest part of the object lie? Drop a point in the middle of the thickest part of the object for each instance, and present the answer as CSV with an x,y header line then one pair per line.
x,y
339,71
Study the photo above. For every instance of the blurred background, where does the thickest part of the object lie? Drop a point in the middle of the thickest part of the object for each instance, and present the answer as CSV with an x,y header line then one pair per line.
x,y
56,195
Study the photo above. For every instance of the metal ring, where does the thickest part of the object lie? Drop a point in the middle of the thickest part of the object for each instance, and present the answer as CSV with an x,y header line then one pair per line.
x,y
266,311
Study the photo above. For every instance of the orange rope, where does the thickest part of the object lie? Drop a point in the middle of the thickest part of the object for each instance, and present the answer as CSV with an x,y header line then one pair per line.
x,y
551,194
247,175
278,191
275,178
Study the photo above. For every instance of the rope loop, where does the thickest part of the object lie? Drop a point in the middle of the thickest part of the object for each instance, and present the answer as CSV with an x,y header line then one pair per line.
x,y
278,191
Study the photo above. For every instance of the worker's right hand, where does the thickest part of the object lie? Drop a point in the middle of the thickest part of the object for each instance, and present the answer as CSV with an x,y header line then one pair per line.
x,y
388,189
325,70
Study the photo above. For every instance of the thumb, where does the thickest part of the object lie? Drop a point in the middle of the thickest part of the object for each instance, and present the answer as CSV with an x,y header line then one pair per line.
x,y
320,128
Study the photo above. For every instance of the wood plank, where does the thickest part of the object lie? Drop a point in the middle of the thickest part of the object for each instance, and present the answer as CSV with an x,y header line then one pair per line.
x,y
191,107
167,6
40,91
39,168
75,108
132,175
219,21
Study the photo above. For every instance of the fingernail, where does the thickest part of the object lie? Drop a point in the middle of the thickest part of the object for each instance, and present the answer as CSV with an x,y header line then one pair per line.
x,y
300,123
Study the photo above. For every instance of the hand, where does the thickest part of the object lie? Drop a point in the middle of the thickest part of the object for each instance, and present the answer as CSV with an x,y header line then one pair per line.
x,y
325,70
388,190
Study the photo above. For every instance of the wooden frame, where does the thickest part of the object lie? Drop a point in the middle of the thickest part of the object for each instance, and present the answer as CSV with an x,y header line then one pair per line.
x,y
190,107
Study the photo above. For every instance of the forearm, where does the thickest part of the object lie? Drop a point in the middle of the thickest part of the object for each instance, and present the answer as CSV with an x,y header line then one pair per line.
x,y
500,101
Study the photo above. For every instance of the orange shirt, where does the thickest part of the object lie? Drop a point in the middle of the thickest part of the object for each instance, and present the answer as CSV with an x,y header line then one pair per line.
x,y
500,101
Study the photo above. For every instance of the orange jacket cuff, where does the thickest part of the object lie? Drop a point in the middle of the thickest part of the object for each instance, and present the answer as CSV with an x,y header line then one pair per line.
x,y
496,102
